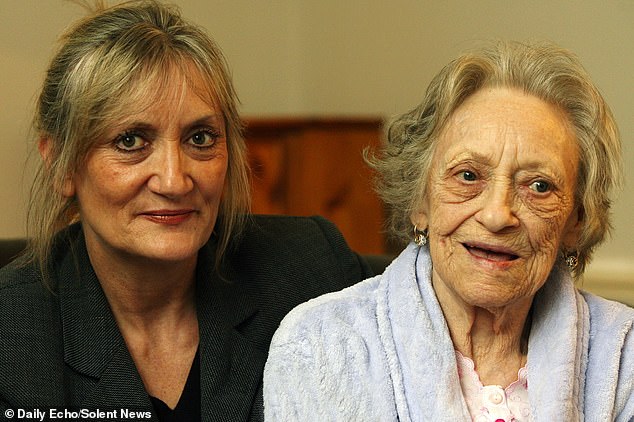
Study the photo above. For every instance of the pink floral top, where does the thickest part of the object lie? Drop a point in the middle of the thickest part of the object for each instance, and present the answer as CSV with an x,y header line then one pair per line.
x,y
492,402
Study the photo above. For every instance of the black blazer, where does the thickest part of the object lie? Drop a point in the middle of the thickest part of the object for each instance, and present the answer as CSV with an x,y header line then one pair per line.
x,y
63,349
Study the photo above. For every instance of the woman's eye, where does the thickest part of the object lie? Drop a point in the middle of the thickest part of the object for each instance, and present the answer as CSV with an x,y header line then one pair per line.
x,y
129,142
203,139
468,176
540,186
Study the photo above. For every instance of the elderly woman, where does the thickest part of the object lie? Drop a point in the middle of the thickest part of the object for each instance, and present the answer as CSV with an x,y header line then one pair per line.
x,y
502,178
146,288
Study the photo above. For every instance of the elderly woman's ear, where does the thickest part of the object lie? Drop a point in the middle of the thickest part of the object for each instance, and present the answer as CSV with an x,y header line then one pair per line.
x,y
419,218
572,230
45,148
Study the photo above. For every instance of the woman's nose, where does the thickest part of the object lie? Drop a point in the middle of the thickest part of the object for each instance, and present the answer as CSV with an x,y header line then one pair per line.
x,y
170,173
497,211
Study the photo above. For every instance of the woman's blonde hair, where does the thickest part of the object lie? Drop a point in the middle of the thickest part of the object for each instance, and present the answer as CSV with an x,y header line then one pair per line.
x,y
544,70
108,60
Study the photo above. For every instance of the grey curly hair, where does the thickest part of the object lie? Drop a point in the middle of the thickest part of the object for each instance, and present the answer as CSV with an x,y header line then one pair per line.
x,y
544,70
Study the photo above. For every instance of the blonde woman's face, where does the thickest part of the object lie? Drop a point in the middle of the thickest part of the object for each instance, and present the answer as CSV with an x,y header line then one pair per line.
x,y
150,189
500,198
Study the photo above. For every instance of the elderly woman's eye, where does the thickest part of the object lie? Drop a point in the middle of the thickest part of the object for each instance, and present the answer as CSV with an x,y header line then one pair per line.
x,y
540,186
129,142
467,175
203,139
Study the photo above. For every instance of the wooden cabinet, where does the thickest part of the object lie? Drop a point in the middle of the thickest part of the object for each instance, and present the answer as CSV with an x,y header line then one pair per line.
x,y
310,166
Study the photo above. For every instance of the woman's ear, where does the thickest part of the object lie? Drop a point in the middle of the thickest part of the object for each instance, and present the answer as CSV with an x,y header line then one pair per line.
x,y
45,148
572,230
419,218
68,188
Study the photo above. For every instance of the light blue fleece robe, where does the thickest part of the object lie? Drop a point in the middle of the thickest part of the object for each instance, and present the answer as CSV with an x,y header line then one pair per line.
x,y
381,351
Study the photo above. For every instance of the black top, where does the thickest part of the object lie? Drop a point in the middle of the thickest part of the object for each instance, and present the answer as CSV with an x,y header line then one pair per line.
x,y
188,406
60,347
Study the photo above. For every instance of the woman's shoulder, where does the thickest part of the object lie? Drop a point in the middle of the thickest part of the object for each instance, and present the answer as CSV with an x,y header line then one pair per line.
x,y
294,229
335,314
354,310
611,331
611,323
24,297
24,273
31,340
19,275
308,251
285,238
607,312
327,360
611,355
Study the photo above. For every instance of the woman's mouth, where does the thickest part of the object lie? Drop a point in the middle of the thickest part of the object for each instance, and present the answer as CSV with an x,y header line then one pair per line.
x,y
168,217
490,253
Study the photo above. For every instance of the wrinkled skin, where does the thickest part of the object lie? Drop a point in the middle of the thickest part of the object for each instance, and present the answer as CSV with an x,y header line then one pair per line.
x,y
500,199
499,206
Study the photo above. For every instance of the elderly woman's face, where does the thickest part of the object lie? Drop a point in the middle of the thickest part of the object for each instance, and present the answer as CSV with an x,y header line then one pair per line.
x,y
500,197
151,187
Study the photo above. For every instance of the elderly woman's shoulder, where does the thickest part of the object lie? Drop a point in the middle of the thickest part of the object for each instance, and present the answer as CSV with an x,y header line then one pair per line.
x,y
604,312
611,331
611,351
348,311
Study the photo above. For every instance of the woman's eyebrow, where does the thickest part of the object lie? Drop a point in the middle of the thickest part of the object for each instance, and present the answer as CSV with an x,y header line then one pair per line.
x,y
468,155
146,126
214,118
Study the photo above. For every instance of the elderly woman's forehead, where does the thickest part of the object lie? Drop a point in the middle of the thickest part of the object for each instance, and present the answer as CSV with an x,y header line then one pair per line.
x,y
516,108
521,122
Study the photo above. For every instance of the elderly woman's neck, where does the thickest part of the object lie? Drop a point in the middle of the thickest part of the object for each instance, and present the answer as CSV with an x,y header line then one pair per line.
x,y
494,338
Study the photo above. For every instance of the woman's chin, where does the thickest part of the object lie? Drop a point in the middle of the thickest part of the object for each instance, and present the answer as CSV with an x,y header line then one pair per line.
x,y
172,253
494,295
169,251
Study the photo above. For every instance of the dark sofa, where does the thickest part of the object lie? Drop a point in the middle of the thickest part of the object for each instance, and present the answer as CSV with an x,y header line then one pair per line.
x,y
9,249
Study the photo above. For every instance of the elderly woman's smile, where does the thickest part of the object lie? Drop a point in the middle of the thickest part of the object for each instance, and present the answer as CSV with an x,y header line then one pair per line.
x,y
500,197
490,252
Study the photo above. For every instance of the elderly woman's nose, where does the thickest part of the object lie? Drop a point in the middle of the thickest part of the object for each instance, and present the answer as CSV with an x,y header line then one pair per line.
x,y
170,172
497,209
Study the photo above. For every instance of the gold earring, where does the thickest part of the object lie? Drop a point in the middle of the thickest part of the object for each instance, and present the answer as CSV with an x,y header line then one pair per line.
x,y
572,259
420,237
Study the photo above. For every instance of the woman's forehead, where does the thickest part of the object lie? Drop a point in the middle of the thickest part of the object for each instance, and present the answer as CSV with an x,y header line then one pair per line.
x,y
170,85
499,121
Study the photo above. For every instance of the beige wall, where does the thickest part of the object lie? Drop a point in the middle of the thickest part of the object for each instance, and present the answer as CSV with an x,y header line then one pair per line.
x,y
330,57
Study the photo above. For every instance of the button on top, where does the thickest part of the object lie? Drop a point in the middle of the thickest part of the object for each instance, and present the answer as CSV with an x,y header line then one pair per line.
x,y
493,394
495,398
493,403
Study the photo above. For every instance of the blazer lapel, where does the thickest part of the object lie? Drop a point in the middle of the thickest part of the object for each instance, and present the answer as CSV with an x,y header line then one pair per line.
x,y
231,365
105,375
